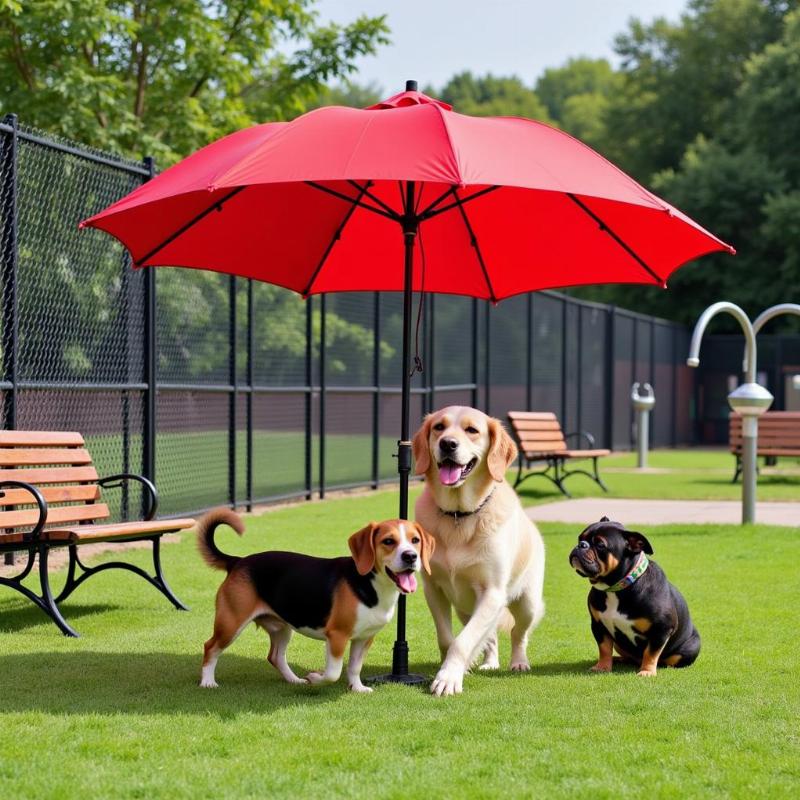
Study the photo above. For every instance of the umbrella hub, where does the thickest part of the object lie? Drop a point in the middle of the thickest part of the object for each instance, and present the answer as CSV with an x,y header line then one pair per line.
x,y
410,97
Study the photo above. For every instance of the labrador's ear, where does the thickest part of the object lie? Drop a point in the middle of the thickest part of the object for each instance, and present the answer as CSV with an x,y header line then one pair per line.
x,y
421,447
428,546
502,450
362,547
637,542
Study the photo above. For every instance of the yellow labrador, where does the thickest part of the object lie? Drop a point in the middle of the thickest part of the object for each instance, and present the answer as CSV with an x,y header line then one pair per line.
x,y
489,556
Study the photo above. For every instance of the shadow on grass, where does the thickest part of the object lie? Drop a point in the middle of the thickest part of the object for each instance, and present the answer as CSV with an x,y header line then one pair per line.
x,y
19,616
149,683
167,683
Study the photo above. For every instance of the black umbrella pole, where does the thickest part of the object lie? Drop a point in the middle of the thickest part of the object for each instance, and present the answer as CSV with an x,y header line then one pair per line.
x,y
400,673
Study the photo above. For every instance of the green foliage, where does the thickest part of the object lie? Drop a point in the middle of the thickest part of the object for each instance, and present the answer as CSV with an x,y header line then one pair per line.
x,y
164,77
709,115
492,96
679,79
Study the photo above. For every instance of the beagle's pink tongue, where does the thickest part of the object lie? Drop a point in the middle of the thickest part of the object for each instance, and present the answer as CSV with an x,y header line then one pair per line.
x,y
407,581
450,473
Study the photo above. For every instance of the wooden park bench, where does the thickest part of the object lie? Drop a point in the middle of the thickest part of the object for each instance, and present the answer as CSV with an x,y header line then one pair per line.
x,y
778,435
50,496
541,440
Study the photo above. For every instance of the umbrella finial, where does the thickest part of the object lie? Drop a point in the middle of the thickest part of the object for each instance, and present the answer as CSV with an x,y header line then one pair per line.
x,y
411,86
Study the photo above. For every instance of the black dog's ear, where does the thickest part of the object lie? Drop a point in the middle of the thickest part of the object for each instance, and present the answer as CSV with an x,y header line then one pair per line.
x,y
604,519
637,542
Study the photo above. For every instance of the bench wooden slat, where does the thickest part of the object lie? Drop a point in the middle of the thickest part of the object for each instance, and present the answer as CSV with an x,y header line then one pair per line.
x,y
44,455
531,415
540,436
50,475
537,425
40,438
30,516
52,494
127,530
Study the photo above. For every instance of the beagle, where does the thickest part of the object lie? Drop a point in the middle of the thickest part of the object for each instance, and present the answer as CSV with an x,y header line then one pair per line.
x,y
335,599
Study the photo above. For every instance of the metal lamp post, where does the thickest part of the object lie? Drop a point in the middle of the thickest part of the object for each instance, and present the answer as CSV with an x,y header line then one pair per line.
x,y
750,400
643,405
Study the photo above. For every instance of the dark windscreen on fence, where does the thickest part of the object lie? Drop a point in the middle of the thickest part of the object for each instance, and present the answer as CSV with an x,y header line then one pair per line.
x,y
227,391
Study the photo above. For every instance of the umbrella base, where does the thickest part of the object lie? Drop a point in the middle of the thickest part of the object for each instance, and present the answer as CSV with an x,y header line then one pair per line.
x,y
409,679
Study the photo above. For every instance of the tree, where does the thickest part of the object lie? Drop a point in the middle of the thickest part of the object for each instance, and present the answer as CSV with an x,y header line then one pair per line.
x,y
164,77
492,96
577,95
680,79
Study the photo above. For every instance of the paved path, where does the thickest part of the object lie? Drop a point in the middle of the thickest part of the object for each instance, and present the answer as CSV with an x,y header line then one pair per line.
x,y
660,512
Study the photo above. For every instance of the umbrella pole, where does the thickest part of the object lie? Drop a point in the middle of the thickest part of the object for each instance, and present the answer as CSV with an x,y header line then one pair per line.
x,y
400,673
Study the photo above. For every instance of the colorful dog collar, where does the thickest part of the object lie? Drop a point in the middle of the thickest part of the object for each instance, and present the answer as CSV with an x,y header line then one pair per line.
x,y
639,568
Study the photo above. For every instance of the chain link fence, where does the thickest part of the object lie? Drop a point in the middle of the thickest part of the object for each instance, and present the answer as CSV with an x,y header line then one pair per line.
x,y
229,391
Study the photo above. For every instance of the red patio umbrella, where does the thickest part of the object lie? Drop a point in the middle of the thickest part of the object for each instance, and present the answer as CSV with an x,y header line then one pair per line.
x,y
501,206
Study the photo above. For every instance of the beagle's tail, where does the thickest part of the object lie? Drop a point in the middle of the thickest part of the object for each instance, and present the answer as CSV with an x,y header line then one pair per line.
x,y
206,527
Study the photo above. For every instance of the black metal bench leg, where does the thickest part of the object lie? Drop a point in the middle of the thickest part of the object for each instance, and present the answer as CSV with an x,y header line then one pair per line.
x,y
48,604
737,470
519,472
559,479
597,479
160,581
70,583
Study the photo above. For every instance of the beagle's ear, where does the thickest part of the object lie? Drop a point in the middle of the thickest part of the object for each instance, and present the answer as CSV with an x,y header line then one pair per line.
x,y
421,447
637,542
428,546
362,547
502,450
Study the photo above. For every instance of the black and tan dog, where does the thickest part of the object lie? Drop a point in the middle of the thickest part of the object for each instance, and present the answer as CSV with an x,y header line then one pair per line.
x,y
339,600
635,610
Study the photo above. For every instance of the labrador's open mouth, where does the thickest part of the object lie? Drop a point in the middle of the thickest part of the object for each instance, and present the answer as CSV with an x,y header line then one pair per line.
x,y
451,473
406,581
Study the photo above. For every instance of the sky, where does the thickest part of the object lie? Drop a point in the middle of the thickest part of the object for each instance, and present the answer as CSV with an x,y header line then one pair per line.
x,y
434,39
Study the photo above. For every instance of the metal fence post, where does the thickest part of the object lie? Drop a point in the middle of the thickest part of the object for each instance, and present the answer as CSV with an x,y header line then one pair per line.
x,y
474,353
233,394
578,425
149,438
376,396
250,392
431,365
674,427
653,413
611,362
529,362
564,424
8,196
309,394
322,399
634,357
487,361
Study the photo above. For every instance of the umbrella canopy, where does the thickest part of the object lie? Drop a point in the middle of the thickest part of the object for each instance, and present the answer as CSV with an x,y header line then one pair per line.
x,y
504,205
498,205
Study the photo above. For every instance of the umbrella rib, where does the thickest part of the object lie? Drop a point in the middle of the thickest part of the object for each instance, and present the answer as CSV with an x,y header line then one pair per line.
x,y
474,242
351,200
444,195
375,199
433,212
215,206
335,238
629,250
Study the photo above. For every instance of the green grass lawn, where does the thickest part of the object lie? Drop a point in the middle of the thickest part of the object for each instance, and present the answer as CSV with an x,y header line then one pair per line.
x,y
672,474
118,713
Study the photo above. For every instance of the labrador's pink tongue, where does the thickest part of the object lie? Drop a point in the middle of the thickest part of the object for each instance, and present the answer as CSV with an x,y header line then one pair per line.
x,y
449,473
407,581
